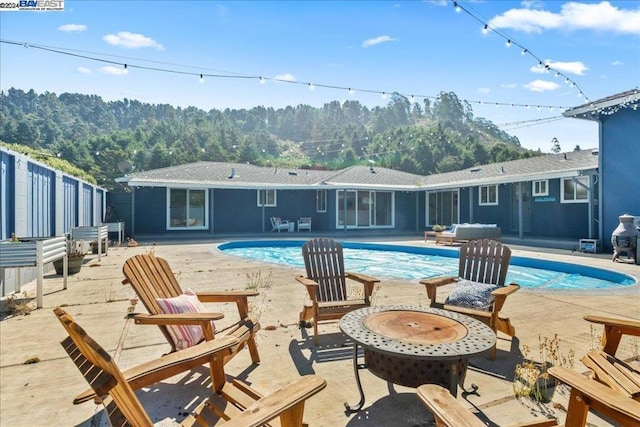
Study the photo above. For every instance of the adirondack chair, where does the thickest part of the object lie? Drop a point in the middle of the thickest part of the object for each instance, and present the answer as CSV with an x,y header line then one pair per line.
x,y
151,278
278,224
586,395
605,366
481,262
326,283
236,404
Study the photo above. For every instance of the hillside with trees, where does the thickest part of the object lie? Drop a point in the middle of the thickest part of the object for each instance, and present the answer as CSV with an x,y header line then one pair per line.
x,y
106,138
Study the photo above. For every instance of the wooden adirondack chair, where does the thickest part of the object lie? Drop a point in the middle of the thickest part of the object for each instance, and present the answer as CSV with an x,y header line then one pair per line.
x,y
236,404
605,366
151,277
586,395
326,283
481,261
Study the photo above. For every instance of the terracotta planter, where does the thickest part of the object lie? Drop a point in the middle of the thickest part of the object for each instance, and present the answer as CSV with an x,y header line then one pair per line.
x,y
74,266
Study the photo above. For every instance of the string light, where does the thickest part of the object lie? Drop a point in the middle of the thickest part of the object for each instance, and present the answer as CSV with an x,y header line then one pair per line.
x,y
201,79
510,41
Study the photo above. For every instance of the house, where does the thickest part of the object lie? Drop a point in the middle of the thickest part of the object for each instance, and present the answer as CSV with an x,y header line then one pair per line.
x,y
618,117
551,195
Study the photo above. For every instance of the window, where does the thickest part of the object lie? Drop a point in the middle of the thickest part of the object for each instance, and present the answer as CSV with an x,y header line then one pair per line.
x,y
540,188
575,190
187,208
321,200
488,195
267,198
364,209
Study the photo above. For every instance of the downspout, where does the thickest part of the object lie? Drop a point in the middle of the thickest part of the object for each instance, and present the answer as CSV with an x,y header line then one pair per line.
x,y
133,211
520,212
470,206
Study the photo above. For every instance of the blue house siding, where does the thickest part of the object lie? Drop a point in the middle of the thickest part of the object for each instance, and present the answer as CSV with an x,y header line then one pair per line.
x,y
87,205
151,210
70,198
619,169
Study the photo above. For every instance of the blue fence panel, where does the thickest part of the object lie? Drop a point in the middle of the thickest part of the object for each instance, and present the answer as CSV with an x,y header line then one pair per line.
x,y
70,209
87,204
7,203
40,201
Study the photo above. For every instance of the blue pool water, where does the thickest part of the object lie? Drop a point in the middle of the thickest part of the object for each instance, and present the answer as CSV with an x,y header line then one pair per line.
x,y
408,262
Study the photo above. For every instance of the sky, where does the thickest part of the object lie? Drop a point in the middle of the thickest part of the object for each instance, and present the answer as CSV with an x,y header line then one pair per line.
x,y
491,53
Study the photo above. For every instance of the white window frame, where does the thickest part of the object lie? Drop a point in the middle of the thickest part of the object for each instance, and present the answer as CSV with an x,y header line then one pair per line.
x,y
268,204
537,185
205,220
584,180
321,201
482,202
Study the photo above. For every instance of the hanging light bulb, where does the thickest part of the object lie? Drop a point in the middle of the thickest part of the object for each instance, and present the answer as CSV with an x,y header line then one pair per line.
x,y
351,91
524,52
485,30
508,43
311,86
384,95
201,78
261,80
457,7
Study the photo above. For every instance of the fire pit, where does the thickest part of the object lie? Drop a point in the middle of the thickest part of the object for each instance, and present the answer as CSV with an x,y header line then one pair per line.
x,y
624,238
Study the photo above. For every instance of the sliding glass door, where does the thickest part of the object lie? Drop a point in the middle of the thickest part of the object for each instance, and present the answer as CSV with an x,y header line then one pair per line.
x,y
364,209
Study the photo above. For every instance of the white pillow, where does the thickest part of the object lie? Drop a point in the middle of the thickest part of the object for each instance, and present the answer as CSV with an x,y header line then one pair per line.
x,y
470,294
184,336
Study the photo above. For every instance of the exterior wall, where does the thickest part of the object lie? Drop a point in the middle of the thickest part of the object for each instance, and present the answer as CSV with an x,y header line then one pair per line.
x,y
619,169
32,204
150,210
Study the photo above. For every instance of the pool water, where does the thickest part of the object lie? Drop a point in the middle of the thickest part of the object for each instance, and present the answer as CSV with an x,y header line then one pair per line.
x,y
404,262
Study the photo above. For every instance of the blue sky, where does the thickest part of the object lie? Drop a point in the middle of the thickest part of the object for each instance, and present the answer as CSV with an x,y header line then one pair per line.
x,y
415,48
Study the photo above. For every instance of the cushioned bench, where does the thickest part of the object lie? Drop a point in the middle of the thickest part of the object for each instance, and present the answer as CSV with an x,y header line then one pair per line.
x,y
464,232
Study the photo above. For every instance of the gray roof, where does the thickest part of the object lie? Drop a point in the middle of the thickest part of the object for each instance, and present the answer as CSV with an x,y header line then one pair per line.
x,y
246,176
605,106
548,166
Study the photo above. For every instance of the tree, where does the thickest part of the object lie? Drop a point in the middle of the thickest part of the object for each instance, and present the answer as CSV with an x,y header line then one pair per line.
x,y
555,148
577,148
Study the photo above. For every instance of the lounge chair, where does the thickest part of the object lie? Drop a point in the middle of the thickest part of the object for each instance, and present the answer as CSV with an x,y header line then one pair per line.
x,y
151,278
235,404
480,290
327,285
304,224
585,395
605,366
278,224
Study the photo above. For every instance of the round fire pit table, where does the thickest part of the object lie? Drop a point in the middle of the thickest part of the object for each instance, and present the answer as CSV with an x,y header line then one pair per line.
x,y
410,345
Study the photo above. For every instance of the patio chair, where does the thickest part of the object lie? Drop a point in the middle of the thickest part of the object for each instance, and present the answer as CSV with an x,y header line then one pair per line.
x,y
235,404
304,223
155,284
480,290
605,366
327,285
586,395
278,224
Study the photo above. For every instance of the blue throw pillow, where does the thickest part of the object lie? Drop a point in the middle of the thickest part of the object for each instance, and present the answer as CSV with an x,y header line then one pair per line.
x,y
470,294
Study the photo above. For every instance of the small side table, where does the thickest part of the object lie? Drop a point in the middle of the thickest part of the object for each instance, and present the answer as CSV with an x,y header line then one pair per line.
x,y
431,233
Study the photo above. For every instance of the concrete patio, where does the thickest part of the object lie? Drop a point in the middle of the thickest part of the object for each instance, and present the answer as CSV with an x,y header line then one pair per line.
x,y
41,393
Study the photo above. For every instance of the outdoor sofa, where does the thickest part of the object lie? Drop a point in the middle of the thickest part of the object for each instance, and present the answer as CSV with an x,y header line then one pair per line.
x,y
461,233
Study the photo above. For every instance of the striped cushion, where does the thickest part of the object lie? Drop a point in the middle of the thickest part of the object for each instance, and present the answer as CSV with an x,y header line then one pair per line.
x,y
184,335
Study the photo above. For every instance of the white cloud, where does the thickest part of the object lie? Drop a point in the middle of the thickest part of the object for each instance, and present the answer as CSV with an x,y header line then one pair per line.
x,y
116,71
532,4
377,40
509,85
286,77
616,63
73,28
601,16
574,67
84,70
131,40
541,86
484,90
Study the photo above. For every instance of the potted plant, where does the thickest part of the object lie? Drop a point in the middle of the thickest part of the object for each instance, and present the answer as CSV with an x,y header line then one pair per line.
x,y
532,378
94,246
75,258
437,228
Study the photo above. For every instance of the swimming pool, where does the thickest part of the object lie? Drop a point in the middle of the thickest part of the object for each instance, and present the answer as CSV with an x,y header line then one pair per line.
x,y
410,262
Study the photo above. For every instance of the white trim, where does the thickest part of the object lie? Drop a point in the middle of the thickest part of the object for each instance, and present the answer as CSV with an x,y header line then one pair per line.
x,y
266,199
574,200
488,203
535,193
324,197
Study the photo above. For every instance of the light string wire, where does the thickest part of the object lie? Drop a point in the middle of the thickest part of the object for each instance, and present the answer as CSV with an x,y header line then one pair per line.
x,y
511,41
229,75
